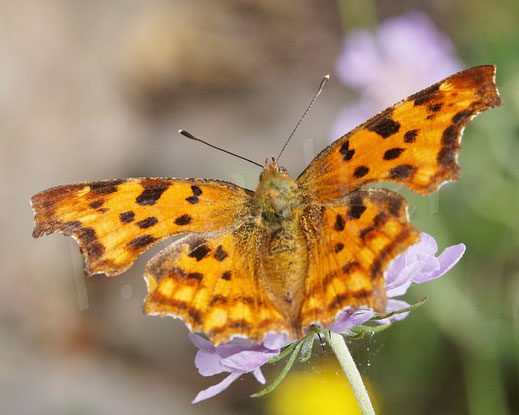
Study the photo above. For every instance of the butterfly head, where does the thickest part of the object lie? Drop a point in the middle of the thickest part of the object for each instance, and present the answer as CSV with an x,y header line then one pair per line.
x,y
276,194
272,167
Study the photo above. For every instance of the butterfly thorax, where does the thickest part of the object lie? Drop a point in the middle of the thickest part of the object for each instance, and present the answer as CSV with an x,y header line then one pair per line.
x,y
285,263
276,197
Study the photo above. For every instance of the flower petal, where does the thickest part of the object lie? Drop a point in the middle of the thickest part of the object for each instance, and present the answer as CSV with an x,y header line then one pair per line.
x,y
200,342
248,360
237,345
426,246
447,259
398,290
216,389
275,341
348,319
259,376
209,364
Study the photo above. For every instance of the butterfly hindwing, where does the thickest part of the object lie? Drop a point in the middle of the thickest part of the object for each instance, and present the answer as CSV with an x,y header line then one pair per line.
x,y
350,244
212,282
114,221
414,143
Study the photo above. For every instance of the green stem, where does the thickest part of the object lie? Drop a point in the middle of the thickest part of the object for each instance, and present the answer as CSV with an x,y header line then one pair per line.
x,y
344,357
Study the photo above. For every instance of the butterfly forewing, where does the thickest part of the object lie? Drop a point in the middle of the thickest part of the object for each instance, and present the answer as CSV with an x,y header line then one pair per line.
x,y
114,221
414,143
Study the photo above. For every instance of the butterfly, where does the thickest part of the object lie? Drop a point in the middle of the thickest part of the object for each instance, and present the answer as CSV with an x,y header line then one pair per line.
x,y
293,253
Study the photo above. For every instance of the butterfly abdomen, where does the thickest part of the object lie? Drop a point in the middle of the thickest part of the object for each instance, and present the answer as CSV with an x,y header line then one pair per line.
x,y
284,266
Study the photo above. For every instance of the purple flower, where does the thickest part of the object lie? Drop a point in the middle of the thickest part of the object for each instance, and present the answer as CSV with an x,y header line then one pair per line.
x,y
239,356
406,54
418,264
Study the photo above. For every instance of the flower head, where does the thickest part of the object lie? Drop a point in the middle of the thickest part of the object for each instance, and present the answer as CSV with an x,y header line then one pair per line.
x,y
418,264
237,357
405,54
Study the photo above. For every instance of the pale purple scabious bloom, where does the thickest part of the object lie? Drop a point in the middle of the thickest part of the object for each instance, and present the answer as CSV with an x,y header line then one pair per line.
x,y
405,54
418,264
237,357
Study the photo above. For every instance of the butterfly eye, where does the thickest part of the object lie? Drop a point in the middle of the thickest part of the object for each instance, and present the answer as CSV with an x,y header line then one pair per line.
x,y
281,169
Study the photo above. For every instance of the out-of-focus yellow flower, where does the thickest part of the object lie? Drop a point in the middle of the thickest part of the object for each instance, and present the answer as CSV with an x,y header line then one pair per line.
x,y
314,391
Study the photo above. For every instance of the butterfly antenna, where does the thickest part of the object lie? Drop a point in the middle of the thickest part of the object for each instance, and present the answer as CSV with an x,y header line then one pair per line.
x,y
192,137
321,87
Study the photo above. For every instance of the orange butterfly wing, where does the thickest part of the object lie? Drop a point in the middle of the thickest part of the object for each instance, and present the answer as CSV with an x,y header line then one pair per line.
x,y
350,243
415,142
114,221
212,281
353,233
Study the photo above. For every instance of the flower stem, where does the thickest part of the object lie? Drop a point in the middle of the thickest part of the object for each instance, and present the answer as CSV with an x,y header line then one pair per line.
x,y
344,357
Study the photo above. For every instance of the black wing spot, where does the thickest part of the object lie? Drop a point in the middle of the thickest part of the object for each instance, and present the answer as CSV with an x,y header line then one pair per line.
x,y
355,212
141,242
152,193
338,247
348,154
410,136
401,172
361,171
196,190
393,153
195,276
199,252
339,223
127,217
220,254
226,276
147,223
385,126
96,204
183,220
435,107
192,199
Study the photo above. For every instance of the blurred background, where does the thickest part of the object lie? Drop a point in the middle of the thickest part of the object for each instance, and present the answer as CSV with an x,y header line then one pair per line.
x,y
98,90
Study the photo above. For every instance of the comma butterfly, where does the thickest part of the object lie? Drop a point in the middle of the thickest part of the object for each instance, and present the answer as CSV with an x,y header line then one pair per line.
x,y
293,253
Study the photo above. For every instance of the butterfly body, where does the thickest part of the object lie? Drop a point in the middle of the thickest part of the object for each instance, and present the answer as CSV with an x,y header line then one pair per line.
x,y
279,203
293,253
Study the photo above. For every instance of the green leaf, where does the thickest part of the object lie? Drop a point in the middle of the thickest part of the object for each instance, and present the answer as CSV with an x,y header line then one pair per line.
x,y
403,310
283,373
363,330
284,353
357,334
